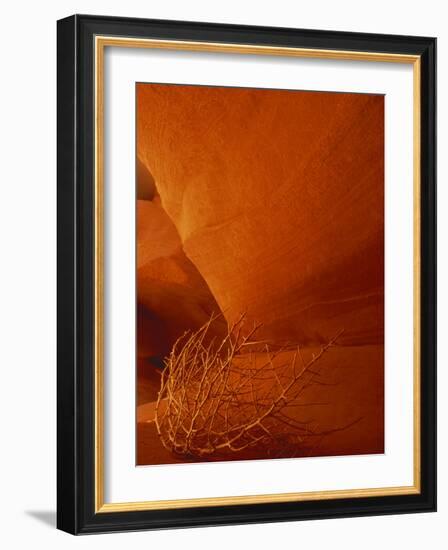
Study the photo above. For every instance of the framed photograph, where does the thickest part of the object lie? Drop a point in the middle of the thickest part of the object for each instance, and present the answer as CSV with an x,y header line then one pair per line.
x,y
246,274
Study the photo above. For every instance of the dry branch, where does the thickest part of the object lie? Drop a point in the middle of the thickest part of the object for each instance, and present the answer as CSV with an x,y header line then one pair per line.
x,y
219,398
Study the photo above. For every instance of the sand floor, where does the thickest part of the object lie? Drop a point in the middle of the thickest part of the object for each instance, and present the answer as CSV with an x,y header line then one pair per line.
x,y
350,405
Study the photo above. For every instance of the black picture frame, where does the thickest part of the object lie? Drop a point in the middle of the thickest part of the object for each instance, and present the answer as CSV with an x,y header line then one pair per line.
x,y
76,271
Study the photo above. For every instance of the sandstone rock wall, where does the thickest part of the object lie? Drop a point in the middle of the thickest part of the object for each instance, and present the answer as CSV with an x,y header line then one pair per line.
x,y
275,200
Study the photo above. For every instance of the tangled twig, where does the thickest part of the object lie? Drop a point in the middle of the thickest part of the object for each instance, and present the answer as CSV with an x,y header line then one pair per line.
x,y
233,395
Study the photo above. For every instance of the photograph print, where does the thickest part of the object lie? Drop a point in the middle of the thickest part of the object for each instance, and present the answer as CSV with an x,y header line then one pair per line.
x,y
259,273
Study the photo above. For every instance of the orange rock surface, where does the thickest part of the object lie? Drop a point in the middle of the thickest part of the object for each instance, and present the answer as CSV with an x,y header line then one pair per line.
x,y
348,409
172,295
268,202
278,200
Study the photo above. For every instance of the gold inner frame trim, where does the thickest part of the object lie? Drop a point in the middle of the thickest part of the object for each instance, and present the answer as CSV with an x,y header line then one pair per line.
x,y
101,42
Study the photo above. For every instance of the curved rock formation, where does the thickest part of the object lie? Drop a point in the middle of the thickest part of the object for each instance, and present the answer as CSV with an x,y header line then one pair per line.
x,y
278,200
172,295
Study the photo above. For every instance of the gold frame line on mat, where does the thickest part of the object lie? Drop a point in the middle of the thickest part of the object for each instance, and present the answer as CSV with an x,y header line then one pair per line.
x,y
101,42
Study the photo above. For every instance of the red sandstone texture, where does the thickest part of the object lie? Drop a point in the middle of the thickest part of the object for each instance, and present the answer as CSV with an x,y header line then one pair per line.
x,y
268,203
